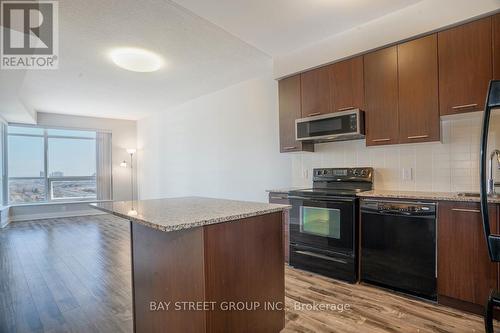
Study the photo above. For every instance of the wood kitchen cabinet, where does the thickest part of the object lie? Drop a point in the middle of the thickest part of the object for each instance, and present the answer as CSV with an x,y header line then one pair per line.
x,y
465,66
496,46
381,96
465,273
282,199
289,111
315,86
346,85
418,90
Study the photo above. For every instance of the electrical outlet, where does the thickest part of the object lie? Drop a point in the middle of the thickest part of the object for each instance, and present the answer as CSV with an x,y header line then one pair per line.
x,y
407,174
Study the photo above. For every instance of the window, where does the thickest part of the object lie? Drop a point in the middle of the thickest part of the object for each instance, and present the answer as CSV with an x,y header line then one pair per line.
x,y
26,166
51,164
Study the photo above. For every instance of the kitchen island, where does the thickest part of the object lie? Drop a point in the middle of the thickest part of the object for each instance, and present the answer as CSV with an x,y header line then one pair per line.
x,y
205,265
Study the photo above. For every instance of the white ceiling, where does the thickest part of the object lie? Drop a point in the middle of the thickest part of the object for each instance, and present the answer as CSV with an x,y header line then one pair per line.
x,y
207,45
200,58
281,26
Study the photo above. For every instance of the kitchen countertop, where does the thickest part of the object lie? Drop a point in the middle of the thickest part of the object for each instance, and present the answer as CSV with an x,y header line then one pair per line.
x,y
188,212
421,195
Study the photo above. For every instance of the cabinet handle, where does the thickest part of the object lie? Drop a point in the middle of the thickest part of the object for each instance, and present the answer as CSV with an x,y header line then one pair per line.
x,y
465,106
418,137
381,140
314,114
289,148
347,108
466,210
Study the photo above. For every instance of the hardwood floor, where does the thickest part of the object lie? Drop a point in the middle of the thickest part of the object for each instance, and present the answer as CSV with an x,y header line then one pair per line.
x,y
73,275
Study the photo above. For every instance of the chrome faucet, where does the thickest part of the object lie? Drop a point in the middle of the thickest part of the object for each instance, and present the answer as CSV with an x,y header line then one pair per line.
x,y
491,179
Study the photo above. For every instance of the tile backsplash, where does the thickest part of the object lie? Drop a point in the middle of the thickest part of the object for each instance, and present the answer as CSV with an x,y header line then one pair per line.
x,y
449,165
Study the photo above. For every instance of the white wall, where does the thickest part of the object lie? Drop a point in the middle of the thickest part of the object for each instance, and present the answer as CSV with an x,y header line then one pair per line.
x,y
424,16
124,135
225,145
452,165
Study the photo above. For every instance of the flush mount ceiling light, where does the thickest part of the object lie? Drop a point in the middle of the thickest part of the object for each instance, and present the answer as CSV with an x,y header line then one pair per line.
x,y
136,60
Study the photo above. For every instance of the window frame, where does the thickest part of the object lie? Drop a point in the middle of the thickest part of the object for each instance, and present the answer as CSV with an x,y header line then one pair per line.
x,y
47,179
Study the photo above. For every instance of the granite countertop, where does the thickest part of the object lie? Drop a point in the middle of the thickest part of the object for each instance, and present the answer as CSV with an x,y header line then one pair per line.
x,y
418,195
188,212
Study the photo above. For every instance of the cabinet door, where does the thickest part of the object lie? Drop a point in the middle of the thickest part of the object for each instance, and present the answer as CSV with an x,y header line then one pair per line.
x,y
381,96
465,272
289,110
496,47
418,90
346,85
282,199
465,66
315,92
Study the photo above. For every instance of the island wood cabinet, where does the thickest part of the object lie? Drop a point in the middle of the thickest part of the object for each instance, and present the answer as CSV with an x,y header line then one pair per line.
x,y
347,85
289,111
381,96
465,66
496,46
465,273
418,90
282,199
315,89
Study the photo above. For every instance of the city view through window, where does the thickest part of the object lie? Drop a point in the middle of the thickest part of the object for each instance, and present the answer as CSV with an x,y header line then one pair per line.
x,y
50,165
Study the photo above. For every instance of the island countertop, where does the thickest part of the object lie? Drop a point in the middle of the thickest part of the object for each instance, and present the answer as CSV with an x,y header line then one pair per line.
x,y
173,214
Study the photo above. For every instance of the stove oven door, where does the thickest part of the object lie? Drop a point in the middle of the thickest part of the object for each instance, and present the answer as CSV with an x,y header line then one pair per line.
x,y
326,224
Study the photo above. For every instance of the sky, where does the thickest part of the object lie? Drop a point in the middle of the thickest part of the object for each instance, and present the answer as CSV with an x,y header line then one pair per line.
x,y
74,157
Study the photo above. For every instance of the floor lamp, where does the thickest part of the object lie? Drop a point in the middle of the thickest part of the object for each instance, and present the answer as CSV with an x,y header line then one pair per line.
x,y
131,152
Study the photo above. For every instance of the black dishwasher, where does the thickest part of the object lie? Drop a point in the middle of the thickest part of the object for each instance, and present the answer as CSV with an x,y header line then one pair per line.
x,y
398,246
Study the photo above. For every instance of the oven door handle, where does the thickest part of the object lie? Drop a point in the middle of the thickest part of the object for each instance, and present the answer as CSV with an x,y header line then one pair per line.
x,y
321,256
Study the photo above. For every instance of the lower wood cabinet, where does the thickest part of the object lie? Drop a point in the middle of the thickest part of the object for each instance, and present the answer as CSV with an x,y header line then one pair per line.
x,y
282,199
465,273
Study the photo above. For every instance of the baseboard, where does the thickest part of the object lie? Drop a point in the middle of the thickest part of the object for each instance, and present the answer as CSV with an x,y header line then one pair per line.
x,y
33,217
466,306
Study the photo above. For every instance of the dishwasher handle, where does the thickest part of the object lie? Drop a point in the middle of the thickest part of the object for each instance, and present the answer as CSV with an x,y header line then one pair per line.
x,y
420,214
399,208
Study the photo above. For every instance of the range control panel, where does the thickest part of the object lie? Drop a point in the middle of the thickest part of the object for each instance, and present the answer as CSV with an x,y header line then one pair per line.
x,y
343,174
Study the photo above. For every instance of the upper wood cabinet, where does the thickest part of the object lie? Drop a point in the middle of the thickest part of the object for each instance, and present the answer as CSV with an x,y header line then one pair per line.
x,y
496,46
289,110
465,66
465,272
418,90
346,85
315,92
381,96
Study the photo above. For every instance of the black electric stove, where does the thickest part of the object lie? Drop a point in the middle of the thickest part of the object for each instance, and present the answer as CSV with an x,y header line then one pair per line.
x,y
324,222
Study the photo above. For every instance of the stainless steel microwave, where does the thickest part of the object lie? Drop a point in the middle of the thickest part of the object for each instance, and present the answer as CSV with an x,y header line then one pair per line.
x,y
337,126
